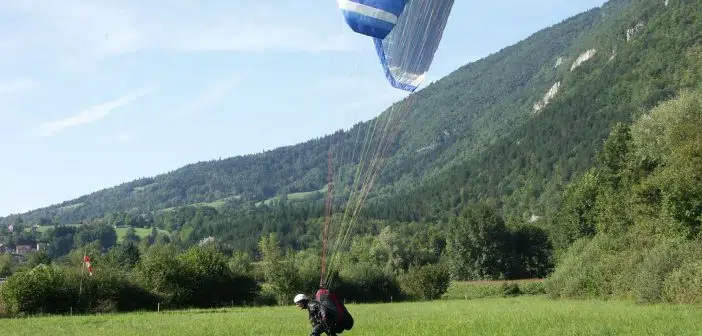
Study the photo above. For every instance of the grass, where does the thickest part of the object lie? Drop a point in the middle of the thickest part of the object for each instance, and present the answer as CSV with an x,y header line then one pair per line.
x,y
141,232
121,231
498,288
298,196
525,315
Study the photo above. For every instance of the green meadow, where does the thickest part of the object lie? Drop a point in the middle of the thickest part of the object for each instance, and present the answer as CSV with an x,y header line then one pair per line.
x,y
523,315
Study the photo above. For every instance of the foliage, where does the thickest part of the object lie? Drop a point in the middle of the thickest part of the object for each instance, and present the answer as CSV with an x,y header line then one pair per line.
x,y
366,282
477,244
481,247
527,168
8,264
280,270
428,282
43,289
646,211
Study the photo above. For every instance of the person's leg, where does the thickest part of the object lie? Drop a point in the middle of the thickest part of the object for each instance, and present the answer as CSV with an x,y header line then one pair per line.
x,y
317,330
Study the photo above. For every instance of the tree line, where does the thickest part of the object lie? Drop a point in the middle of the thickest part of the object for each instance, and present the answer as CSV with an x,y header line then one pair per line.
x,y
388,265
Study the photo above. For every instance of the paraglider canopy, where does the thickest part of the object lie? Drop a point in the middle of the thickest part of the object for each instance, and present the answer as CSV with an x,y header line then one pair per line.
x,y
406,34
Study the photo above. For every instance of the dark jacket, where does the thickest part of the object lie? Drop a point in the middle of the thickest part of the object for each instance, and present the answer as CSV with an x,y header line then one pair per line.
x,y
320,318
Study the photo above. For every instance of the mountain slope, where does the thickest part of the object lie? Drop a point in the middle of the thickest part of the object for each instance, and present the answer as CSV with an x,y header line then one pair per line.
x,y
457,121
633,61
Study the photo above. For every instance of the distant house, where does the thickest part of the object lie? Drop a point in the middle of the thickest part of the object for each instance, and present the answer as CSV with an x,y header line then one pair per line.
x,y
24,249
4,248
41,246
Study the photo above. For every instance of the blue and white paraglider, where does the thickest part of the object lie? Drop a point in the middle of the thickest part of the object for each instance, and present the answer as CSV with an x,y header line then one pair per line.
x,y
406,34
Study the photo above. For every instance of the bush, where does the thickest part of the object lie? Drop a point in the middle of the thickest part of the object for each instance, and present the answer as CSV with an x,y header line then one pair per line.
x,y
428,282
58,290
366,282
43,289
532,288
162,274
210,282
510,289
684,285
584,271
112,291
199,277
652,272
266,296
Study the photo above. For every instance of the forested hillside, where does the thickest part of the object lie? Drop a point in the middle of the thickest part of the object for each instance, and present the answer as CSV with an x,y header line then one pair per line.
x,y
457,118
630,63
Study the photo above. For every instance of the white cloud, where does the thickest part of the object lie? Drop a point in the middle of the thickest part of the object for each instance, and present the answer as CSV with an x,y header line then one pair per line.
x,y
91,114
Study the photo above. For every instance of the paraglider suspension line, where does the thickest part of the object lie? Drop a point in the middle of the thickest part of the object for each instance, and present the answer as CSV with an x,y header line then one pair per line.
x,y
328,213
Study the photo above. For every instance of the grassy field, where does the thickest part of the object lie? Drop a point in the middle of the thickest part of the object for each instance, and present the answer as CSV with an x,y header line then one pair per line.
x,y
141,232
525,315
121,231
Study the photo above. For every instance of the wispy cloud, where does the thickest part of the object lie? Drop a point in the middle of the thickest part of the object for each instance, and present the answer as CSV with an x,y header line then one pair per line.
x,y
91,114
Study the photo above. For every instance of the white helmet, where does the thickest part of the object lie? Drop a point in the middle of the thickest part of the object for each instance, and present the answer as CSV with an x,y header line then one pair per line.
x,y
300,297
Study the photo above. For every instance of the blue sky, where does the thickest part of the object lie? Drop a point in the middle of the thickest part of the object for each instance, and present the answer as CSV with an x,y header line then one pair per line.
x,y
96,93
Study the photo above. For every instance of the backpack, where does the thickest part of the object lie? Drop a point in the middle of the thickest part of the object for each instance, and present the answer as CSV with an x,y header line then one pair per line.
x,y
342,317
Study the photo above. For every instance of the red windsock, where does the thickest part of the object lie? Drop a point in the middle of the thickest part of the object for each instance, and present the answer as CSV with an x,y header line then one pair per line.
x,y
86,259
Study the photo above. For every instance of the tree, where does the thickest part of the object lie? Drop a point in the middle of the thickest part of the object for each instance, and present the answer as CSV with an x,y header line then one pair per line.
x,y
476,243
161,273
38,258
279,270
125,256
131,236
7,264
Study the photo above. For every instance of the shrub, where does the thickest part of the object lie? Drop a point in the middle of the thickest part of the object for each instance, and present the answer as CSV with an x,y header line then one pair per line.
x,y
43,289
209,280
366,282
266,296
428,282
532,288
582,271
510,289
684,285
657,264
162,274
112,290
